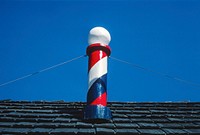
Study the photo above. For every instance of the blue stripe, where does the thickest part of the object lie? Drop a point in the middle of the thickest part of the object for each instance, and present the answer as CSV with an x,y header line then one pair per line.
x,y
92,112
97,89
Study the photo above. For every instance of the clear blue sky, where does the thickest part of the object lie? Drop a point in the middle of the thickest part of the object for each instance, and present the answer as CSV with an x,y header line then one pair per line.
x,y
163,36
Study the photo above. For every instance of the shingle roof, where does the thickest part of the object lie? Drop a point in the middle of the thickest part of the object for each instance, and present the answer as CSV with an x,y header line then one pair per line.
x,y
42,117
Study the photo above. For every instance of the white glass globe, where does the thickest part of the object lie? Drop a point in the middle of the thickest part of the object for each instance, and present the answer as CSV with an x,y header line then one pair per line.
x,y
99,35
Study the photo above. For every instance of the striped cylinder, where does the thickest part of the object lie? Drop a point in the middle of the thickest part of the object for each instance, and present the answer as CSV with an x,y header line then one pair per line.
x,y
97,82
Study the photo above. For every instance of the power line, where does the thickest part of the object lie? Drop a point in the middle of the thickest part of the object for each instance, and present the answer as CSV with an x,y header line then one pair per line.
x,y
156,72
116,59
43,70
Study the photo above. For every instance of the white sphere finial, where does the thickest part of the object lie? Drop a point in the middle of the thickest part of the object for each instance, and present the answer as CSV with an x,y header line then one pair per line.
x,y
99,35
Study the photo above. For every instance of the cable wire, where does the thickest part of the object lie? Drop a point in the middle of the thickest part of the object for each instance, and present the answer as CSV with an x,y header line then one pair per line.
x,y
156,72
43,70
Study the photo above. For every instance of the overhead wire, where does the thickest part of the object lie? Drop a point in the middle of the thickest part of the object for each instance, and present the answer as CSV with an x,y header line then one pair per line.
x,y
156,72
114,58
42,70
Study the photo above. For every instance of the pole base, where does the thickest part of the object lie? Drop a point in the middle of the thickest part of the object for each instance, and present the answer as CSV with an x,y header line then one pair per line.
x,y
92,112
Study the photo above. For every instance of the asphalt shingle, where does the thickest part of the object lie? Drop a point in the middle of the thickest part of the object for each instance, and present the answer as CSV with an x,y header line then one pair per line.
x,y
103,131
64,131
126,125
126,131
174,131
152,131
40,130
86,131
59,117
15,130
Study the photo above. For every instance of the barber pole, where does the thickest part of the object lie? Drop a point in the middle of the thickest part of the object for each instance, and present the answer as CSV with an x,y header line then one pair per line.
x,y
98,52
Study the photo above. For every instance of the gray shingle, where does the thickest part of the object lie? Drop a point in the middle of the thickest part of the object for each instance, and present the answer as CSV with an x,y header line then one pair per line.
x,y
160,120
117,115
105,125
1,129
67,125
7,119
169,125
104,131
158,111
196,123
74,120
40,130
174,131
147,125
23,124
86,131
46,125
121,120
16,130
136,115
62,119
126,125
123,111
176,119
44,117
141,112
83,125
191,119
64,131
6,124
126,131
25,119
152,131
193,131
141,120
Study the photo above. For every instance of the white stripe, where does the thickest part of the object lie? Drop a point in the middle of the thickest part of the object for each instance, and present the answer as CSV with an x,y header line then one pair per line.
x,y
98,70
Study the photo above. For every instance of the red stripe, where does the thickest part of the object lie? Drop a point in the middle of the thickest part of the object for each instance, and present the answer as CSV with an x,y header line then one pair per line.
x,y
95,57
101,100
